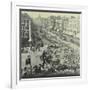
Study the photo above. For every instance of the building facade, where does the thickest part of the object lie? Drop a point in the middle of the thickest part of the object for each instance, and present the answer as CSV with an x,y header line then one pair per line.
x,y
25,29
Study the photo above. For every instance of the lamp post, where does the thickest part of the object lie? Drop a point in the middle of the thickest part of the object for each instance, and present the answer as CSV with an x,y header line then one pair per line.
x,y
30,44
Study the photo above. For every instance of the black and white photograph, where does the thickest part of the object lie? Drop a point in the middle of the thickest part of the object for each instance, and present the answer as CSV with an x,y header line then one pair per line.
x,y
49,43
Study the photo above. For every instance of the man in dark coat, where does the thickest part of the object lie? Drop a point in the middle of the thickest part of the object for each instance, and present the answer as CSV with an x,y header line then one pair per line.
x,y
28,60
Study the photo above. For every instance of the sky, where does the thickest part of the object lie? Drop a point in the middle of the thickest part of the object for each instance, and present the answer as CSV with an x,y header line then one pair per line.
x,y
34,14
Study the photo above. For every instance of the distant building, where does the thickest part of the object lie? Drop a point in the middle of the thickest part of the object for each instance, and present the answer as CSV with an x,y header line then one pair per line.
x,y
73,26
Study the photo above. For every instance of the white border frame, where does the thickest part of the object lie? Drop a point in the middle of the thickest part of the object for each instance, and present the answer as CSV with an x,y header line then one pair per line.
x,y
15,82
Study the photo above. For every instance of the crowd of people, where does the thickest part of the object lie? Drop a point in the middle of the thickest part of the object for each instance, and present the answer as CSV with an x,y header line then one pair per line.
x,y
52,63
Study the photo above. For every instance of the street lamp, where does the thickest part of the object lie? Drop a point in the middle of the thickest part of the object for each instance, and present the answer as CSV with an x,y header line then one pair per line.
x,y
30,44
